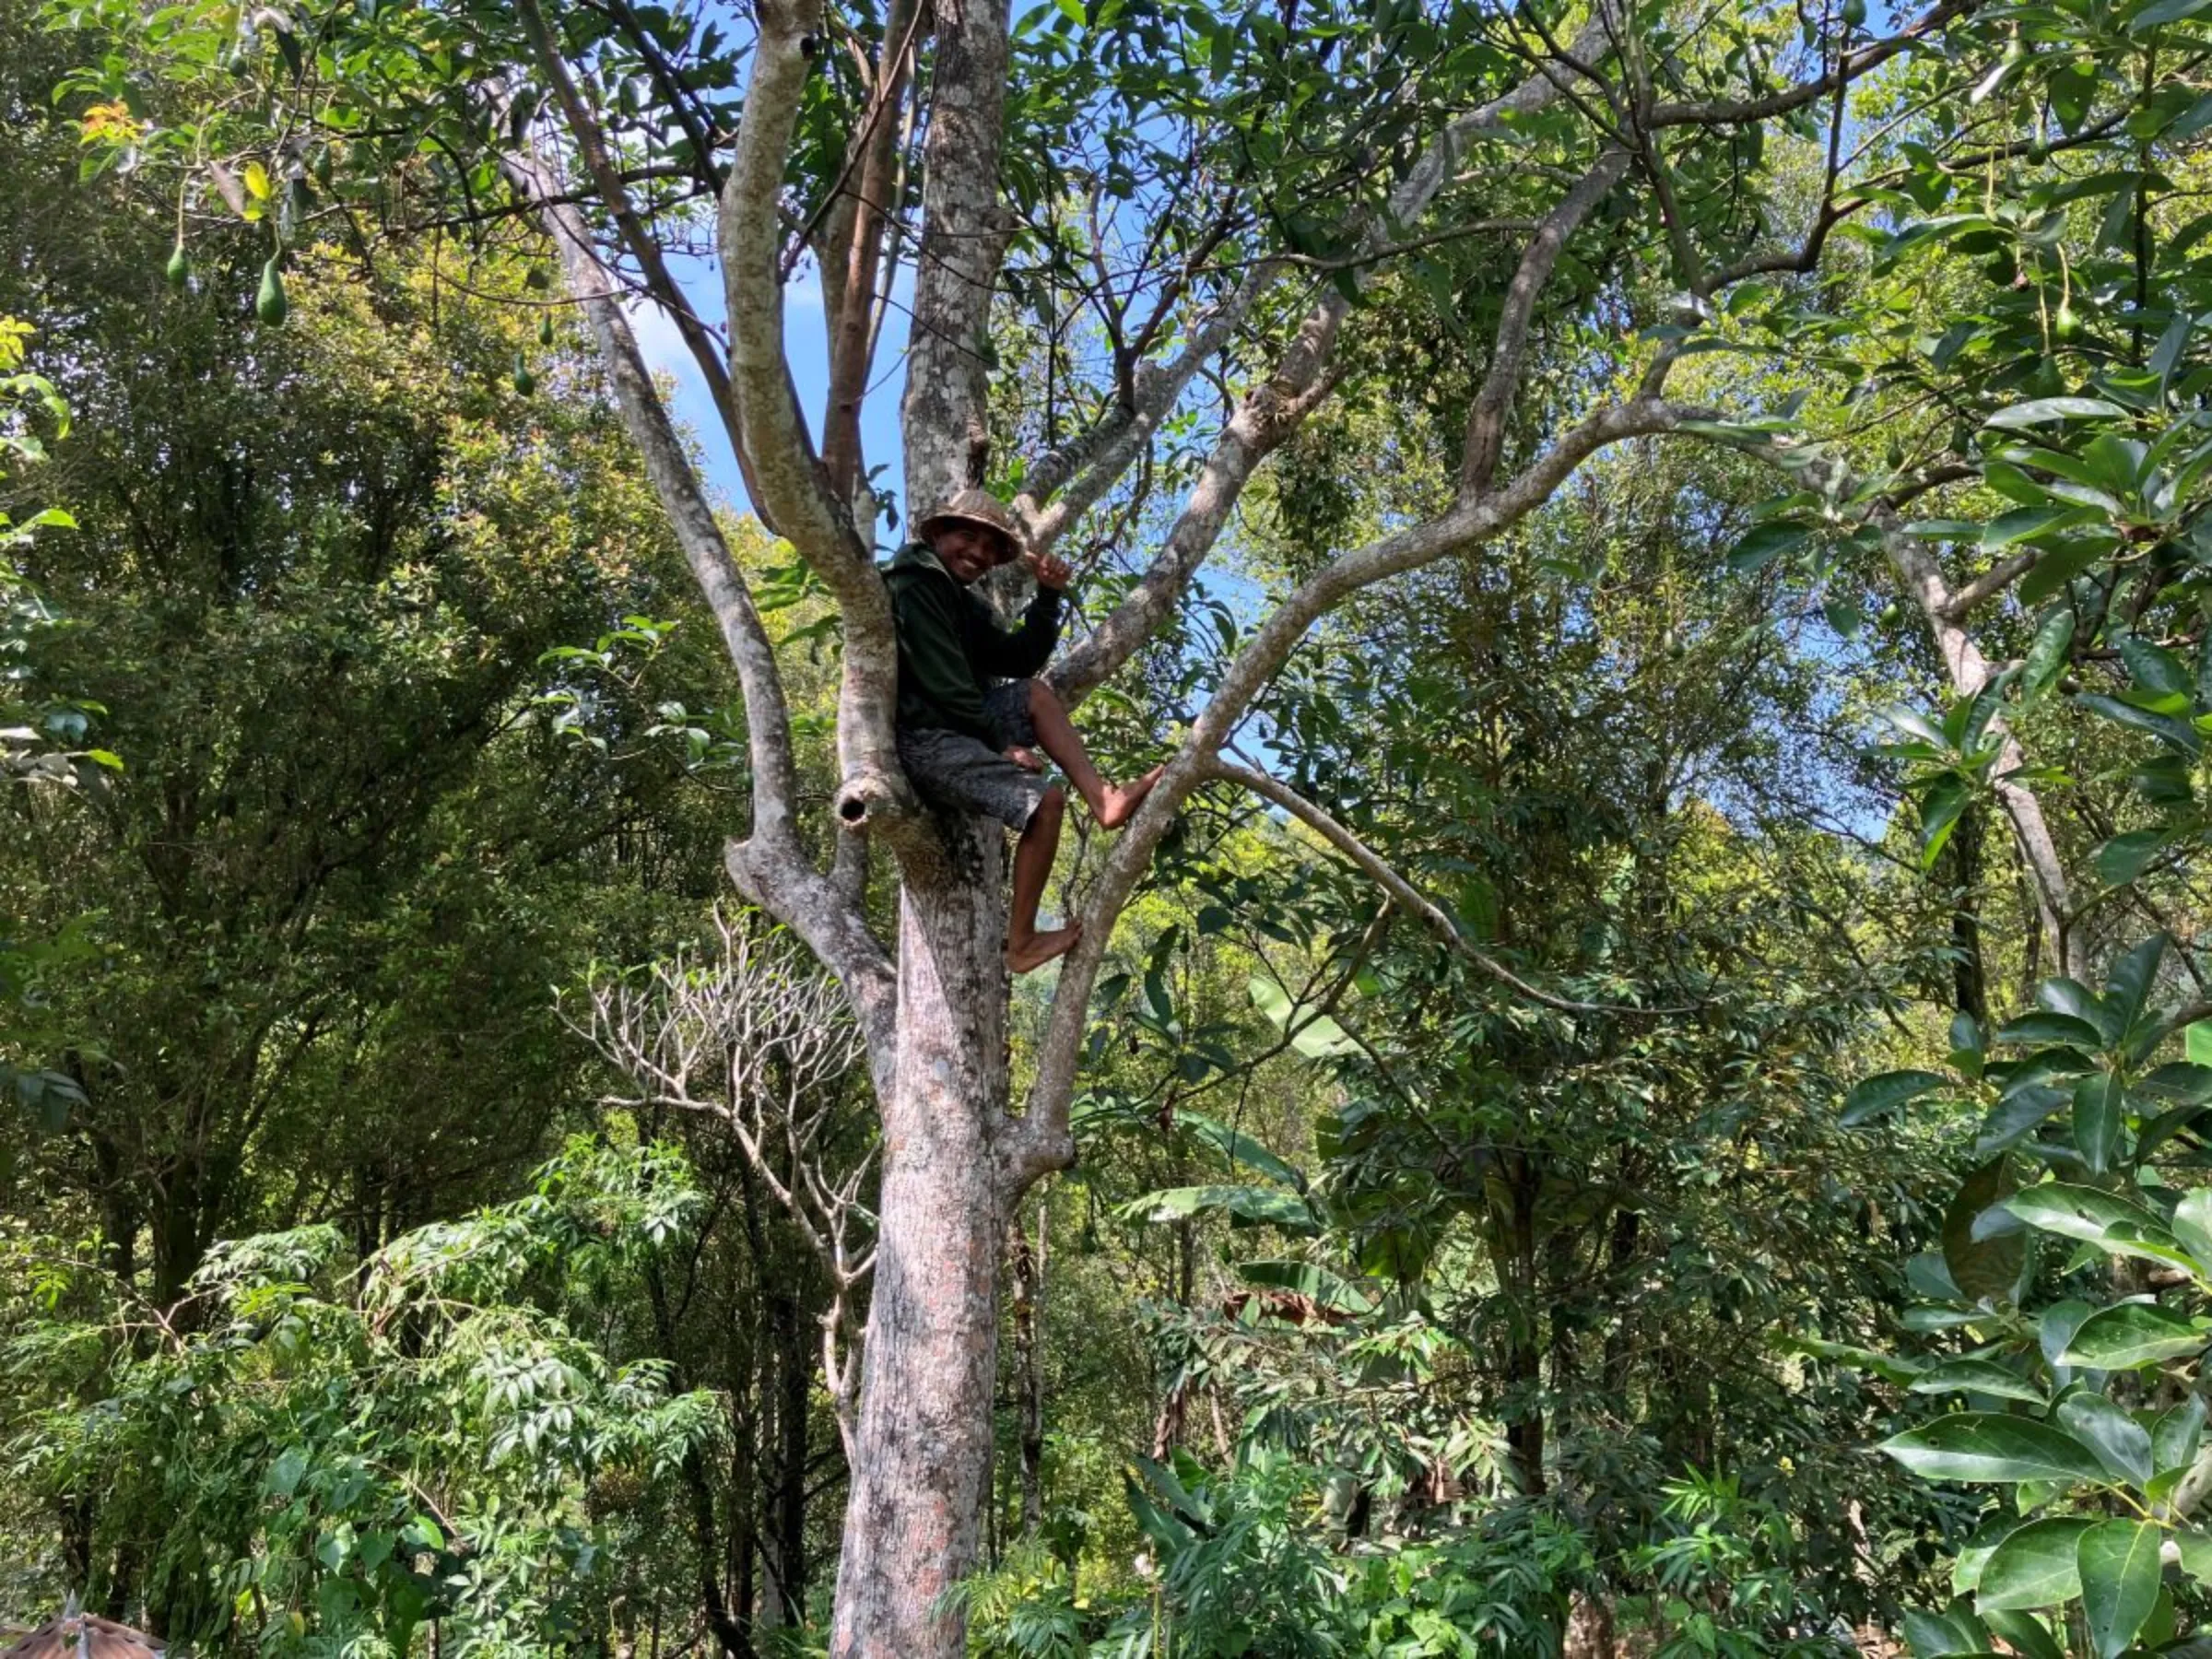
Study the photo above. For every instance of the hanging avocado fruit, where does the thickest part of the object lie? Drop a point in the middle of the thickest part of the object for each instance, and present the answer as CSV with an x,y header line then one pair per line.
x,y
1855,13
270,304
544,329
536,278
1892,614
525,381
2066,326
178,271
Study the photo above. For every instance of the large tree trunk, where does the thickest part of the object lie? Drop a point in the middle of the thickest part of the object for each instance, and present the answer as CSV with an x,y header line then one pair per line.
x,y
923,1443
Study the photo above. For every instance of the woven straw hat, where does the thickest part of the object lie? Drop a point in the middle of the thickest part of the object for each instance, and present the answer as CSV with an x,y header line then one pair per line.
x,y
980,508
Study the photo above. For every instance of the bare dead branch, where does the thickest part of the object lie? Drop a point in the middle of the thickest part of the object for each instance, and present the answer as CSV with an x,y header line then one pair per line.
x,y
752,1035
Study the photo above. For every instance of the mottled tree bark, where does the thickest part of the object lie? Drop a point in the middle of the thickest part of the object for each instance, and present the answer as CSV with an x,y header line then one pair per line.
x,y
931,1359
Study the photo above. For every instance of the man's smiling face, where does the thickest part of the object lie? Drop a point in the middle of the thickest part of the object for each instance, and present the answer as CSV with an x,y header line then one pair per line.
x,y
967,551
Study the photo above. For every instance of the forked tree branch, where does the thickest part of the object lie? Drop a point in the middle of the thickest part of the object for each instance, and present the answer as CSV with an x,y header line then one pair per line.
x,y
1041,1141
1922,578
1494,403
769,866
1731,111
793,486
1267,414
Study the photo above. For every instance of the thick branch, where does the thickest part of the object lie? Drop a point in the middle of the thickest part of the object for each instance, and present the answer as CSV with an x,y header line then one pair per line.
x,y
1486,426
771,866
1091,465
1922,578
1990,584
859,251
790,480
964,235
807,512
1041,1141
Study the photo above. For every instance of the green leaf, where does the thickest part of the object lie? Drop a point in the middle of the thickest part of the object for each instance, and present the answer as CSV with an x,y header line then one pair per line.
x,y
2196,1043
2063,995
2050,653
2164,11
1318,1037
2127,992
2038,410
1236,1148
2061,565
1978,1376
2062,1029
283,1478
1988,1446
2192,1228
2122,1444
2056,1329
1884,1093
2132,1335
2119,1562
2155,668
2088,1213
2122,859
1764,543
2100,1118
2025,1632
1163,1484
2033,1566
2175,734
2014,1118
1941,807
2183,1080
1286,1210
2176,1434
1889,1368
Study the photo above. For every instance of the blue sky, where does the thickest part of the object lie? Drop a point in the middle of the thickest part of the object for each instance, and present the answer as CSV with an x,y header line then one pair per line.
x,y
806,345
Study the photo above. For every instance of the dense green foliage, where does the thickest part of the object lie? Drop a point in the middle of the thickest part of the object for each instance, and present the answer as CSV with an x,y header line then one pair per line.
x,y
1532,1274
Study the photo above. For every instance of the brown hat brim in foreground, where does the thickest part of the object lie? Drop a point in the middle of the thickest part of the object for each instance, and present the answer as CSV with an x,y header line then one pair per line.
x,y
984,511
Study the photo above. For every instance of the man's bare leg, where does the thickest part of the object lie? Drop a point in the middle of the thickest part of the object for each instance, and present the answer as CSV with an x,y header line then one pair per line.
x,y
1112,804
1025,947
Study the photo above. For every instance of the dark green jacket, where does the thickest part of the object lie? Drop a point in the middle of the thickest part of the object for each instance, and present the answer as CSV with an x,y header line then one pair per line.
x,y
951,648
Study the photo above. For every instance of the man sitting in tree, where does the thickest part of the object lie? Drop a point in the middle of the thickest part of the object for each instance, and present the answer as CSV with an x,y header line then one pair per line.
x,y
970,717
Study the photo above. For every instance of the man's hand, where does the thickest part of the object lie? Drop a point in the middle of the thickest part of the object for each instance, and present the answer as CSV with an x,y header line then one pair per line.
x,y
1050,570
1027,758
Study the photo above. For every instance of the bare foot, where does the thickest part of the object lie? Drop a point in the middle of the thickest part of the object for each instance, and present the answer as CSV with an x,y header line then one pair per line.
x,y
1120,801
1025,955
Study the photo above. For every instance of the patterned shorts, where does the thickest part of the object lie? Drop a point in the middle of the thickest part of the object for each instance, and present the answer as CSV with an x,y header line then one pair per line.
x,y
956,771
